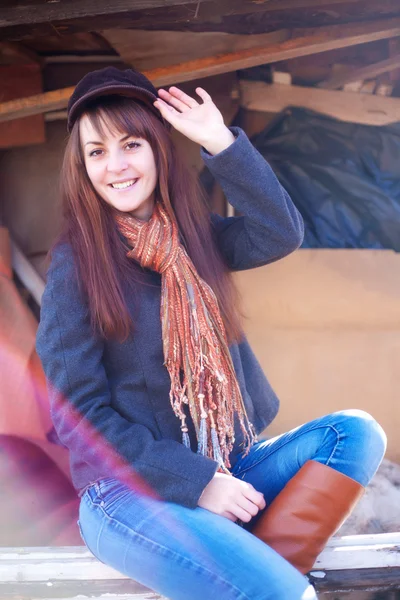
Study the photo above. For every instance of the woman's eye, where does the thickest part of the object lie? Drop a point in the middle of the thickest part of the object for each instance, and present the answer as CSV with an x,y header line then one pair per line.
x,y
132,145
95,153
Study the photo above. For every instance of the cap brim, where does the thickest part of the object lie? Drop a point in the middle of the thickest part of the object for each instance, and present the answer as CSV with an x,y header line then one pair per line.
x,y
128,91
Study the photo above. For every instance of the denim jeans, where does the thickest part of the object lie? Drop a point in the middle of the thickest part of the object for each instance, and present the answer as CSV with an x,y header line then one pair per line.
x,y
194,554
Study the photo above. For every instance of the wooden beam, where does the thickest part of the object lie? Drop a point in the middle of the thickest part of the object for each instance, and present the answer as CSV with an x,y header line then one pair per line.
x,y
296,43
260,17
30,12
27,273
60,59
13,52
34,105
394,50
212,15
351,107
359,562
368,72
290,44
147,50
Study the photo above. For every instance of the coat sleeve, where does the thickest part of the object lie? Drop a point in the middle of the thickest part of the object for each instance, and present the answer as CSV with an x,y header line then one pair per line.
x,y
81,410
270,226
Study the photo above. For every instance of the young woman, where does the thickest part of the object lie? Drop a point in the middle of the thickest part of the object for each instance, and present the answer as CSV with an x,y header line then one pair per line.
x,y
154,388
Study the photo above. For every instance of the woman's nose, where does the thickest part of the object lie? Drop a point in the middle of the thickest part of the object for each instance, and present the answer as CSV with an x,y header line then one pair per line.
x,y
117,162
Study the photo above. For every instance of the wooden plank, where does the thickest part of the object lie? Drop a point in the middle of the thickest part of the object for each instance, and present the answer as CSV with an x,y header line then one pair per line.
x,y
368,87
394,50
213,15
63,572
35,105
86,58
361,562
353,580
148,50
361,540
27,273
12,52
36,11
367,109
17,80
368,72
78,563
225,16
56,564
73,43
82,590
296,44
354,86
360,552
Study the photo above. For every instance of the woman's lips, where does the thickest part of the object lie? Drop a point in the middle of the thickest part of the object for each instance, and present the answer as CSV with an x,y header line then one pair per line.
x,y
123,185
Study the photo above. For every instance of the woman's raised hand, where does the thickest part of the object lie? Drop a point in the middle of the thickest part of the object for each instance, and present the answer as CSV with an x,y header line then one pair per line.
x,y
231,498
200,122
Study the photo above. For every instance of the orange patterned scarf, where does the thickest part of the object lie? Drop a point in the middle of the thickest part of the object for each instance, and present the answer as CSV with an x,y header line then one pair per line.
x,y
196,352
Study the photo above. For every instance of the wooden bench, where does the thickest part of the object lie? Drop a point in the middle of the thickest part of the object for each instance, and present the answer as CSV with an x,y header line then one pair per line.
x,y
361,562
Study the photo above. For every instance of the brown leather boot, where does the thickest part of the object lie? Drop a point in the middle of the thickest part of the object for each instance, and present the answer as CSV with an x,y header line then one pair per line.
x,y
304,515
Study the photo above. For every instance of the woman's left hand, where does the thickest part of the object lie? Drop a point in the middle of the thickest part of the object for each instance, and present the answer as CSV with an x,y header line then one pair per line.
x,y
201,123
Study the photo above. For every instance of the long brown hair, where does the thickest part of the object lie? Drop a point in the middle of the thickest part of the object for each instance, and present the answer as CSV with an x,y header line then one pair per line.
x,y
89,222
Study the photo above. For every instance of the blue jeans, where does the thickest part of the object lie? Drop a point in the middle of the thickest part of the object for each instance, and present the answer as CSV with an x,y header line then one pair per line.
x,y
192,554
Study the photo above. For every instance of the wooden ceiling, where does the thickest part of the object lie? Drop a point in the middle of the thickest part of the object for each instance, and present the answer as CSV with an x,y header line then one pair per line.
x,y
30,20
180,40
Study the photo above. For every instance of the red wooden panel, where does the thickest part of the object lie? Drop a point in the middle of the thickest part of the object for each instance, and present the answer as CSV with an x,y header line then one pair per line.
x,y
19,81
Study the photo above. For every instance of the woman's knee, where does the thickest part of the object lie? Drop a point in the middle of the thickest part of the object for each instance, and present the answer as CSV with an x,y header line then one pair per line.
x,y
365,440
365,429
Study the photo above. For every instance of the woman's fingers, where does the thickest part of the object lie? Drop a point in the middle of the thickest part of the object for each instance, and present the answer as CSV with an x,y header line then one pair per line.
x,y
242,514
182,97
161,105
256,497
183,101
169,113
248,506
173,101
229,515
203,94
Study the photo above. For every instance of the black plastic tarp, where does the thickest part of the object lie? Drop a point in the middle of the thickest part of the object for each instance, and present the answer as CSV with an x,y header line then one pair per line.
x,y
344,178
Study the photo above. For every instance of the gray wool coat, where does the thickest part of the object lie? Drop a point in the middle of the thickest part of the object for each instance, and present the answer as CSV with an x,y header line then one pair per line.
x,y
110,401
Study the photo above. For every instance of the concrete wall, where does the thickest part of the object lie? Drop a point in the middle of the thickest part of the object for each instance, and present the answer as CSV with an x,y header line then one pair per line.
x,y
325,325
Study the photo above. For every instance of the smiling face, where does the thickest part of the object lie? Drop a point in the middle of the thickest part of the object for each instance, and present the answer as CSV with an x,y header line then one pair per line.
x,y
121,168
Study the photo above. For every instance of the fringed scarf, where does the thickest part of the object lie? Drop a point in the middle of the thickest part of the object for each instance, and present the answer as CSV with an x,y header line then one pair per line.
x,y
196,352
